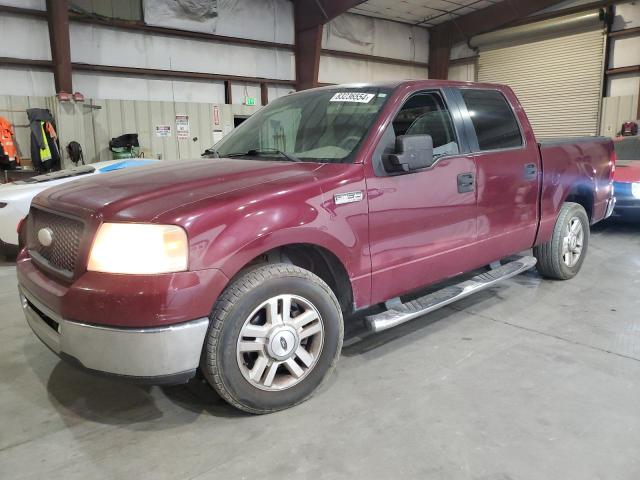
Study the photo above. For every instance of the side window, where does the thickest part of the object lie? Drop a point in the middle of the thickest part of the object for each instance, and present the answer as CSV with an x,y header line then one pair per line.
x,y
493,120
426,113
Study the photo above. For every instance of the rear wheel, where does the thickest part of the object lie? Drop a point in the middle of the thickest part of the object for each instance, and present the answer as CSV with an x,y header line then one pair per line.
x,y
561,257
276,333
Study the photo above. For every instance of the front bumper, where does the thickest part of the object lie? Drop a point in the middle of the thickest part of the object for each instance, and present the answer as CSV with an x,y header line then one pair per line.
x,y
158,355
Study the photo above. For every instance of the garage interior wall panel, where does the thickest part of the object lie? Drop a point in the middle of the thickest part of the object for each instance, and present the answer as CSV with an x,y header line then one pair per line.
x,y
120,87
558,80
277,91
121,9
24,37
372,36
268,20
144,50
21,81
627,15
624,84
625,51
33,4
347,70
616,111
463,72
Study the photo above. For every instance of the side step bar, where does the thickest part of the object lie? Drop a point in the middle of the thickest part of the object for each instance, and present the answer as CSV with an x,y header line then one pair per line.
x,y
399,313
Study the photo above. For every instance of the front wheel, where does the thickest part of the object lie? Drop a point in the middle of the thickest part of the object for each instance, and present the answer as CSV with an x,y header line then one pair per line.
x,y
561,257
275,335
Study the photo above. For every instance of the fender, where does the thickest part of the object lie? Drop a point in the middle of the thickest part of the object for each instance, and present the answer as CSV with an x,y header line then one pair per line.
x,y
230,231
360,282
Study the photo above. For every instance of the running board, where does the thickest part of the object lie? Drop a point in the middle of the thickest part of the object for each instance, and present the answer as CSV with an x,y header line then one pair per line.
x,y
399,313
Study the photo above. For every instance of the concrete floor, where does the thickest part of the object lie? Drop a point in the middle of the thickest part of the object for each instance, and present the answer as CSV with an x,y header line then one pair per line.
x,y
532,380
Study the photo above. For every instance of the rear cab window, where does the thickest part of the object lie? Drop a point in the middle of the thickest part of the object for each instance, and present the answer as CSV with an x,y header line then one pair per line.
x,y
493,119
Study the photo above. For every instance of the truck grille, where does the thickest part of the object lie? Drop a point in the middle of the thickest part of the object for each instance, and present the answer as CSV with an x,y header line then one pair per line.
x,y
61,255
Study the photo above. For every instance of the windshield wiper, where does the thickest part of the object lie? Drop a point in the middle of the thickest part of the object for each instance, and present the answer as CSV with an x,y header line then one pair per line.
x,y
259,152
210,151
255,152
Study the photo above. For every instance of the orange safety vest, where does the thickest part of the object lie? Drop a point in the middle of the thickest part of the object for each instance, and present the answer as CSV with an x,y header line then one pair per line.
x,y
7,140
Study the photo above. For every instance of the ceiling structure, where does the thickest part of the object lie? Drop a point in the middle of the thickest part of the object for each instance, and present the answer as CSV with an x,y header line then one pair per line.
x,y
425,13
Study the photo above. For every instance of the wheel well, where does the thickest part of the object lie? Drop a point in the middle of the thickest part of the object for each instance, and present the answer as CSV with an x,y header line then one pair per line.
x,y
583,196
316,259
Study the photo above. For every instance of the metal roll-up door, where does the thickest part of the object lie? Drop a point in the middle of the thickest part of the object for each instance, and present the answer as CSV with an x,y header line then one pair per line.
x,y
555,68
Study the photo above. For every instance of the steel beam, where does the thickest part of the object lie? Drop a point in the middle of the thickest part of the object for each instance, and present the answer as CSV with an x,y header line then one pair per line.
x,y
308,46
58,20
312,13
228,96
309,19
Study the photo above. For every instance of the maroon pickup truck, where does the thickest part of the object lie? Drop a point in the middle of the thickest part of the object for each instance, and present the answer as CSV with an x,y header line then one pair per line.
x,y
325,203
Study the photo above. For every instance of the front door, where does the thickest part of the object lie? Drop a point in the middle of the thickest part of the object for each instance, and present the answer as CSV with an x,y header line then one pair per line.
x,y
422,224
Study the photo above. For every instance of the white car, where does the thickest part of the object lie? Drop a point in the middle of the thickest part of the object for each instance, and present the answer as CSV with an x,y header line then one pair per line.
x,y
15,198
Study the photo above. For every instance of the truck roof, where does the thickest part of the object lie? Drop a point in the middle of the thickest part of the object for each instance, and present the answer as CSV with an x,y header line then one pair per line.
x,y
417,83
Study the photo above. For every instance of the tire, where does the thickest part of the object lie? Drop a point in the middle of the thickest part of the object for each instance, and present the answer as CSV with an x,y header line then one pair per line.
x,y
232,360
552,256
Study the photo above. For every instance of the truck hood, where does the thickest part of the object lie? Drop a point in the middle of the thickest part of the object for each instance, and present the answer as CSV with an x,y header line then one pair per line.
x,y
143,193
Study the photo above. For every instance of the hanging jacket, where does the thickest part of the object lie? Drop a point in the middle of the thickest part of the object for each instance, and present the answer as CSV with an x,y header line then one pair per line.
x,y
45,150
8,149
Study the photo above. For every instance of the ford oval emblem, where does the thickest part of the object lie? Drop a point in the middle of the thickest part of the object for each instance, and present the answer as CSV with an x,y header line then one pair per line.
x,y
283,343
45,237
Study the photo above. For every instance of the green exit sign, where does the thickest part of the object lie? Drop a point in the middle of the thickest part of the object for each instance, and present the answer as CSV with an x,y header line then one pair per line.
x,y
250,101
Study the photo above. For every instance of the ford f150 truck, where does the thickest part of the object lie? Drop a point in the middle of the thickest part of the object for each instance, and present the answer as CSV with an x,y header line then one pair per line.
x,y
325,203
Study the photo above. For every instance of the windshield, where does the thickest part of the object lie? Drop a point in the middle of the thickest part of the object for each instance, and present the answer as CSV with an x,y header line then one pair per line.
x,y
324,125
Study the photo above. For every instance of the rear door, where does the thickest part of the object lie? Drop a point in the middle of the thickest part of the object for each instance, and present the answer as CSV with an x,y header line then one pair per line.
x,y
508,172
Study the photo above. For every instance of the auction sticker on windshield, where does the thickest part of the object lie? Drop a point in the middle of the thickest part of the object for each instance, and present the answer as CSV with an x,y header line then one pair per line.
x,y
352,97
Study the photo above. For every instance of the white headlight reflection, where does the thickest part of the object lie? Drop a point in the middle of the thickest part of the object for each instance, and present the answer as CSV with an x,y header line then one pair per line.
x,y
143,249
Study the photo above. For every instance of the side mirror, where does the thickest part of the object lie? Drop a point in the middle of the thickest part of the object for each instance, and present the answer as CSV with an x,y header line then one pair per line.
x,y
413,152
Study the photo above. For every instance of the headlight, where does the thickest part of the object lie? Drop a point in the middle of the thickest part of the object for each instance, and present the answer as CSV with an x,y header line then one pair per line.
x,y
132,248
635,189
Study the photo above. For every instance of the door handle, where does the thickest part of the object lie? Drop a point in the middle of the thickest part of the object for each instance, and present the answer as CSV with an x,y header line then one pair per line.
x,y
530,171
466,183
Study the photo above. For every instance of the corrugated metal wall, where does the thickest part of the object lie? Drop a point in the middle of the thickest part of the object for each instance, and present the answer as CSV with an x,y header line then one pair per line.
x,y
558,80
95,122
